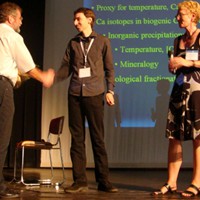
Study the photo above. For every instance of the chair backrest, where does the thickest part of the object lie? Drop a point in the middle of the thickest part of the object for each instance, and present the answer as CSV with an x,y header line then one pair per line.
x,y
55,128
56,125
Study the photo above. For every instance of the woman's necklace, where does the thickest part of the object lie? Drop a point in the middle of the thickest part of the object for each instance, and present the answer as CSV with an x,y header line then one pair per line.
x,y
189,37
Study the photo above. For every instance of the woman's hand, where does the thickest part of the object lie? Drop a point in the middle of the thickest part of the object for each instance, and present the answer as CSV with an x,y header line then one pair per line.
x,y
175,63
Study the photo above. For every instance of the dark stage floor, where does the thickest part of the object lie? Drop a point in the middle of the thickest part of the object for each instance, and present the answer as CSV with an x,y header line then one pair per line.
x,y
132,184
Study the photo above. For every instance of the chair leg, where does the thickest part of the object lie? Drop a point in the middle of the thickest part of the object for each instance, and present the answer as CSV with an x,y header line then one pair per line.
x,y
22,166
62,163
51,164
22,171
15,167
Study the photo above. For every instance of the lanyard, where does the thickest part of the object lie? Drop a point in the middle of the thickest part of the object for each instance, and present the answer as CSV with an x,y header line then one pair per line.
x,y
85,52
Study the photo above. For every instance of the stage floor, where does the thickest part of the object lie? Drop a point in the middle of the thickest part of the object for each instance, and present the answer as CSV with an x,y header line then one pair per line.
x,y
132,184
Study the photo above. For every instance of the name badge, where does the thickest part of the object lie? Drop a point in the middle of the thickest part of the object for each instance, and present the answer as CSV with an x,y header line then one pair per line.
x,y
84,72
192,55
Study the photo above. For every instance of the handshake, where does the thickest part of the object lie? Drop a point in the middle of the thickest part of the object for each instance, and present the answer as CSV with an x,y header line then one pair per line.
x,y
48,78
45,77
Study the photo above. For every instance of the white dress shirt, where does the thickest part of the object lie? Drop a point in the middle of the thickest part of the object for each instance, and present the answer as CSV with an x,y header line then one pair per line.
x,y
14,54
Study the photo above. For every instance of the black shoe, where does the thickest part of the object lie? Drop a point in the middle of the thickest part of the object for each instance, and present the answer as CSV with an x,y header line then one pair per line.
x,y
108,187
76,187
7,193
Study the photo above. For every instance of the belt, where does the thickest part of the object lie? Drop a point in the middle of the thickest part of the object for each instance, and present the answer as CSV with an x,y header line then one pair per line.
x,y
3,78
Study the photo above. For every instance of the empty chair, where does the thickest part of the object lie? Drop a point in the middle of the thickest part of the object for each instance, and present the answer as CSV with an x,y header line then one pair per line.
x,y
52,143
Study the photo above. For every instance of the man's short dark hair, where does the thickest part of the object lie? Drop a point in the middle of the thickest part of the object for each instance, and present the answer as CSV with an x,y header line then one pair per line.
x,y
87,12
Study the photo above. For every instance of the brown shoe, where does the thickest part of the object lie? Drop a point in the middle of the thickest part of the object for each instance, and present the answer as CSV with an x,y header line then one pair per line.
x,y
76,187
108,187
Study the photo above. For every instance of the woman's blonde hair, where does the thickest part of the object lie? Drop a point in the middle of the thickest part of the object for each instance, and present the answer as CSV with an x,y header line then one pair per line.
x,y
193,7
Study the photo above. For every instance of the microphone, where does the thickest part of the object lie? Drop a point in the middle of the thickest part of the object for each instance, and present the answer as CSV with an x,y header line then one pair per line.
x,y
171,55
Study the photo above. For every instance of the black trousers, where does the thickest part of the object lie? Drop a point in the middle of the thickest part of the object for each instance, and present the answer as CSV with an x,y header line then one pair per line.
x,y
92,109
6,120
